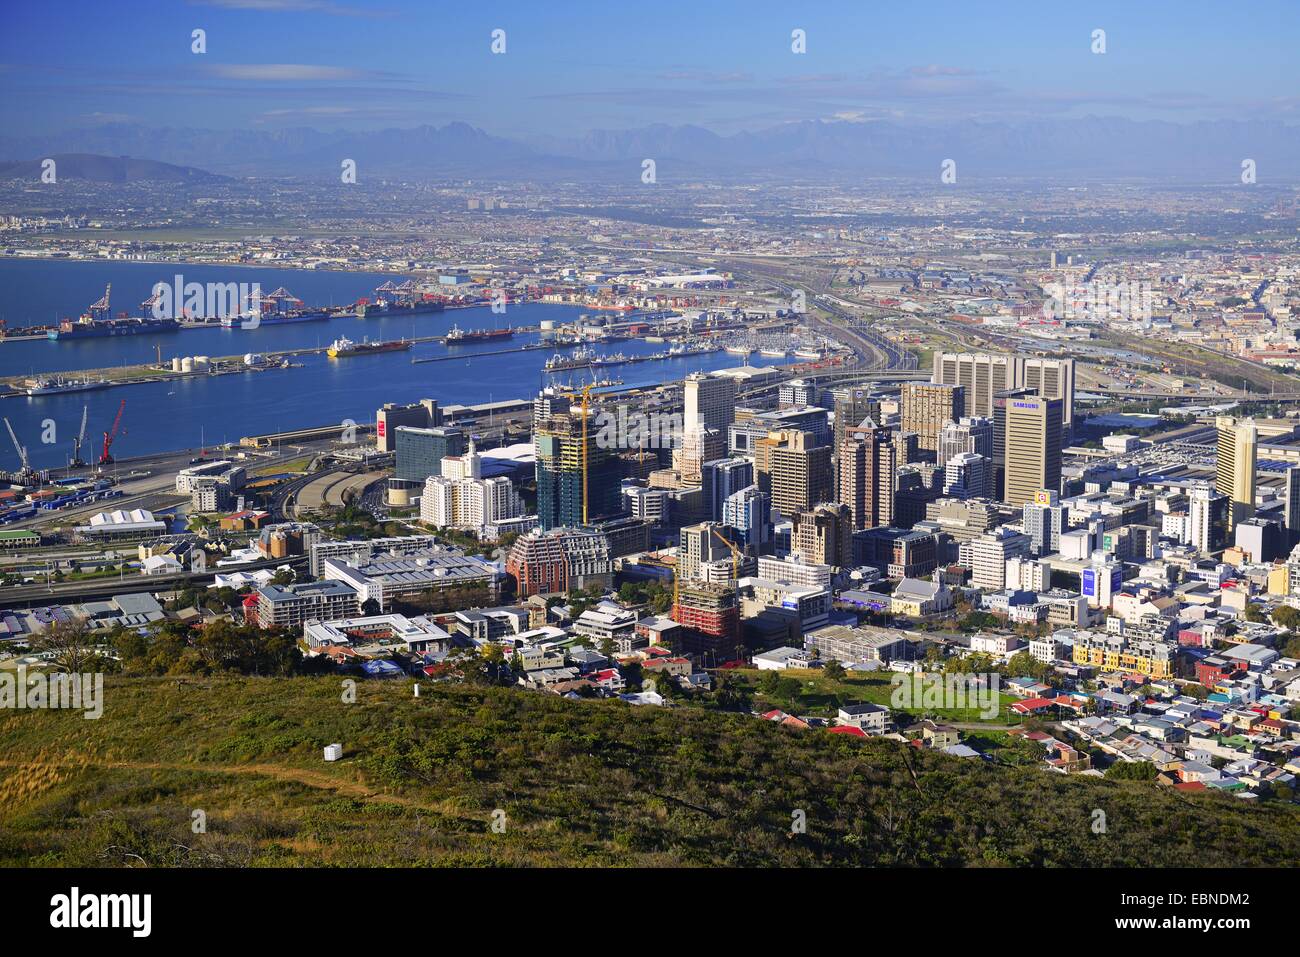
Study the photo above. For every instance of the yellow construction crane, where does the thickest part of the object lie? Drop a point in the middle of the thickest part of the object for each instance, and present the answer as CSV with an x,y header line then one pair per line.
x,y
736,553
586,395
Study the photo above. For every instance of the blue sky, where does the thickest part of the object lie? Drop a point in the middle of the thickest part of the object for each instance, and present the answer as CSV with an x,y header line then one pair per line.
x,y
575,66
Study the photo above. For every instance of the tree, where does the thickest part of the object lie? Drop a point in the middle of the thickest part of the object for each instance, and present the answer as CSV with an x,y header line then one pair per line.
x,y
1253,612
70,643
834,670
1284,616
1132,771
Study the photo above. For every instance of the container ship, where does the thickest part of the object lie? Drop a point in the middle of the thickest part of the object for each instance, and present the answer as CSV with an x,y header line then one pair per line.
x,y
97,322
346,347
458,335
397,299
277,308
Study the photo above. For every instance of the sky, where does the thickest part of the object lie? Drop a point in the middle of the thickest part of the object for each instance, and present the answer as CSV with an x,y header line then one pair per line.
x,y
569,67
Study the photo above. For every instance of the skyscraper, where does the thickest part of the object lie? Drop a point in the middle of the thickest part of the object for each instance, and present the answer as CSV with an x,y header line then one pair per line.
x,y
1292,511
800,473
1031,445
824,535
1234,471
851,406
722,478
968,475
973,434
420,451
749,512
574,473
982,375
1044,520
710,402
926,406
1208,515
868,473
985,375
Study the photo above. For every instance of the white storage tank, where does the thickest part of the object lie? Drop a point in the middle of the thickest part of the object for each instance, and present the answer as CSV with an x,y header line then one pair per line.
x,y
176,363
252,359
201,363
187,364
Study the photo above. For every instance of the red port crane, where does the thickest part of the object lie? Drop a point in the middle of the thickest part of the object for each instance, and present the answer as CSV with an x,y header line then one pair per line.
x,y
105,458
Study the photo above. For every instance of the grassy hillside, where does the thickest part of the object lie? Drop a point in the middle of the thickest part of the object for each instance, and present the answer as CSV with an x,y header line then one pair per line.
x,y
581,783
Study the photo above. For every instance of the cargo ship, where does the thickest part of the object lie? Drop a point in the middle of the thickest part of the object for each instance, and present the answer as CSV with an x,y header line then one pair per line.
x,y
276,309
96,322
59,385
397,299
346,347
458,335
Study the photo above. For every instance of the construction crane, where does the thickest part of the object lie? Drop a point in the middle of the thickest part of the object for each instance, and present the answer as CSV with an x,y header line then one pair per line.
x,y
736,553
80,440
22,449
105,458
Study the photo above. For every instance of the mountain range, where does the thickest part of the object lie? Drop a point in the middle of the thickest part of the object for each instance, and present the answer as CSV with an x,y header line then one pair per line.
x,y
1088,148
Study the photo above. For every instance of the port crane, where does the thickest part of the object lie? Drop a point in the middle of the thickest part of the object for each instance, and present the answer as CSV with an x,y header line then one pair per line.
x,y
22,449
80,440
105,457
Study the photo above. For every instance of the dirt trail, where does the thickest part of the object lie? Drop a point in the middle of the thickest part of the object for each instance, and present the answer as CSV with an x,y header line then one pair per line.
x,y
313,779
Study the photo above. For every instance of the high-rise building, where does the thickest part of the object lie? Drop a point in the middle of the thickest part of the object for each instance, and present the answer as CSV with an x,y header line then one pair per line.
x,y
800,472
851,406
1291,513
749,512
797,392
926,406
710,401
968,475
971,434
1208,514
700,545
578,481
982,375
1052,379
468,503
1045,518
722,478
420,451
711,615
824,535
1032,440
985,375
420,415
1234,471
868,474
699,445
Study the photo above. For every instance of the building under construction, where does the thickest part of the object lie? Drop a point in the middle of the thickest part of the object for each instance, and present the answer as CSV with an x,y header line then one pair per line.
x,y
578,482
710,617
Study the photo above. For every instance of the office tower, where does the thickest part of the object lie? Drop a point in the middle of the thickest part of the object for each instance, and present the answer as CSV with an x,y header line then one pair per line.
x,y
972,434
575,475
1045,518
699,445
1031,446
800,473
420,451
1234,472
1291,513
926,406
868,473
983,376
722,478
749,512
1208,513
550,402
700,545
797,392
968,475
421,415
710,402
851,406
711,616
824,535
1052,379
919,484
